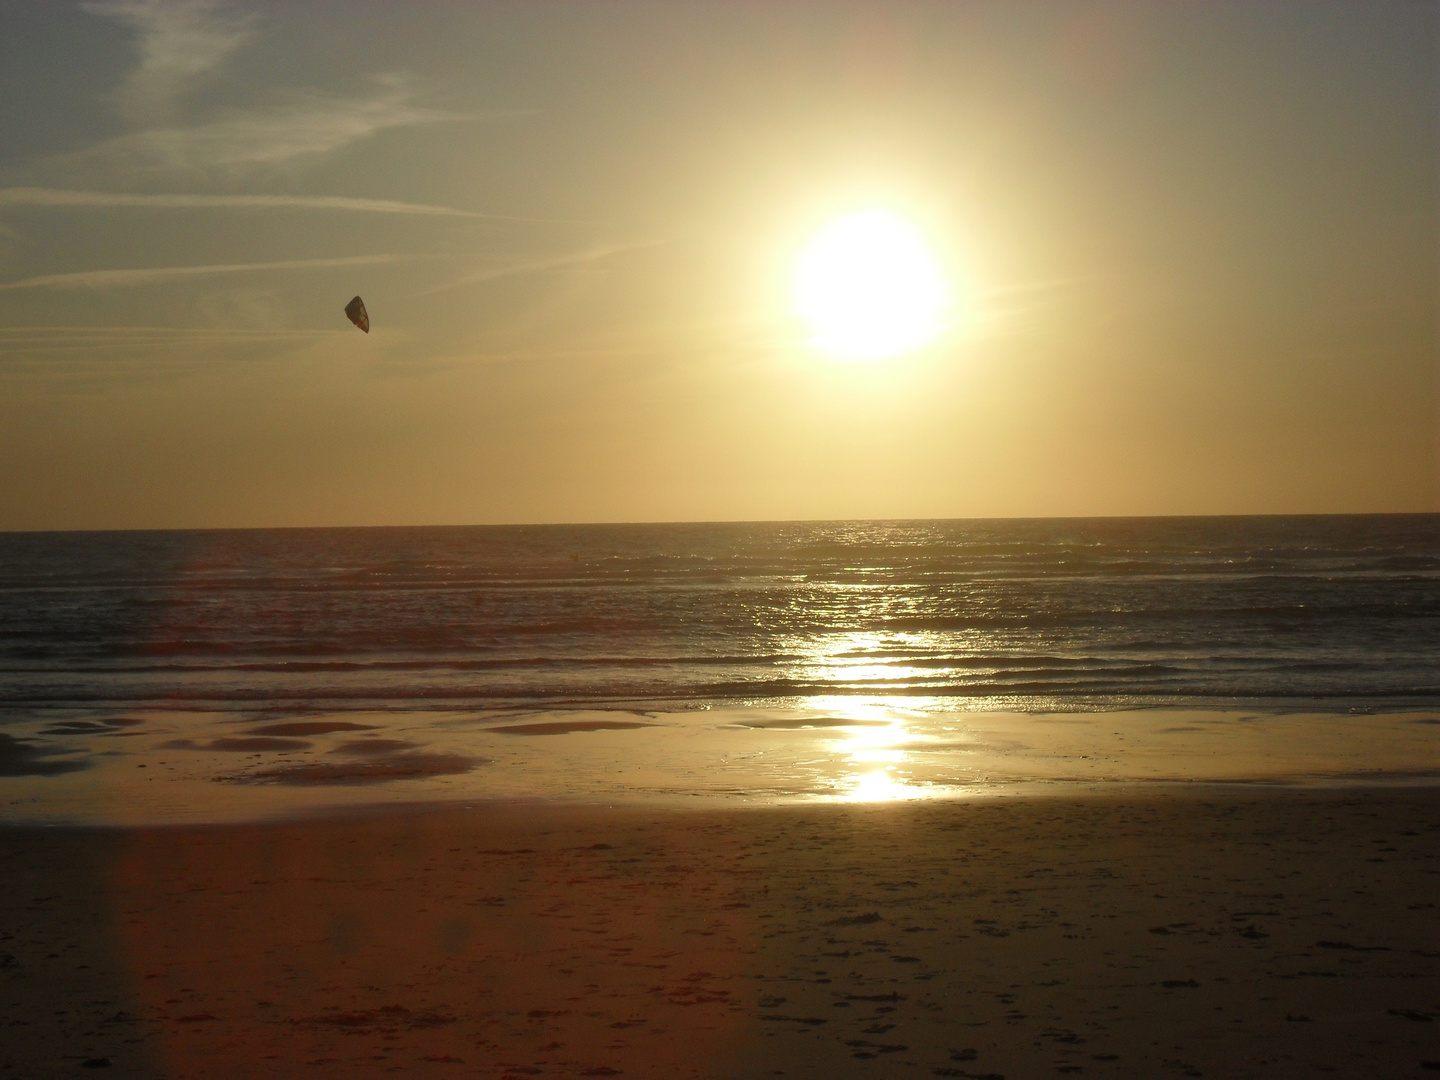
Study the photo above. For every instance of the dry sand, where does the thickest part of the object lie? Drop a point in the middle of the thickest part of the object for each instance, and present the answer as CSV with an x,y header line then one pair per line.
x,y
1154,932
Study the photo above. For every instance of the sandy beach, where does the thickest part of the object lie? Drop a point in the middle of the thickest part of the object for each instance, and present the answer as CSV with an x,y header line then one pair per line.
x,y
1226,931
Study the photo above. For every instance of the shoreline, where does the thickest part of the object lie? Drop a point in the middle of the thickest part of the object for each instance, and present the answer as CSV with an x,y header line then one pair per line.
x,y
1181,932
146,767
1055,790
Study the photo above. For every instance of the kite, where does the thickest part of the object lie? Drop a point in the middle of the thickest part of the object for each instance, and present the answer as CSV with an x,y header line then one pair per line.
x,y
355,309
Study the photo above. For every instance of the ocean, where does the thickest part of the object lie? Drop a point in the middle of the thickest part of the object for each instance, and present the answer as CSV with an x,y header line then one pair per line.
x,y
1327,612
877,659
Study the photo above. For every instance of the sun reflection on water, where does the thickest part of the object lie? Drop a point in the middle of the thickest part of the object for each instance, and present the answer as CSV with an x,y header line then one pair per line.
x,y
858,660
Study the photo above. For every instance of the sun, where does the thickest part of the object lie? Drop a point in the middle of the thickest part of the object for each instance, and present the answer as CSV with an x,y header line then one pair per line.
x,y
869,287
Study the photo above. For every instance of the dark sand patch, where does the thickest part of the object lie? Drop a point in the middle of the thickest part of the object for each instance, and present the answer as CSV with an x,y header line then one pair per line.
x,y
797,724
310,727
856,920
386,1020
113,726
238,744
256,742
398,767
373,747
565,727
20,758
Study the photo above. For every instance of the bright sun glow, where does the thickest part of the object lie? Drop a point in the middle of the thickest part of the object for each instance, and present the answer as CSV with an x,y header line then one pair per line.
x,y
870,287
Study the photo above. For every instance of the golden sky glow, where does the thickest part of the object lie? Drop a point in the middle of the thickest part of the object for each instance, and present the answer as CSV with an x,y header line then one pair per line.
x,y
1118,259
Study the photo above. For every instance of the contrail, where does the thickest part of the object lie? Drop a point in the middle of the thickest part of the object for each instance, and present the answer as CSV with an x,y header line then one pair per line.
x,y
534,266
58,198
107,279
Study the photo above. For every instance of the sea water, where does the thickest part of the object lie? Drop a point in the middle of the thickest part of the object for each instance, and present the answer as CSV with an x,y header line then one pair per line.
x,y
115,645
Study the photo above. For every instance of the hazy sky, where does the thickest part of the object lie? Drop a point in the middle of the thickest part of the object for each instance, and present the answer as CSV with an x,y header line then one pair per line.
x,y
1192,248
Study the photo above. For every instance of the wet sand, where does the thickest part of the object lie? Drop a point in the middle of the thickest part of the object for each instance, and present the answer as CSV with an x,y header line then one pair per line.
x,y
164,767
1224,931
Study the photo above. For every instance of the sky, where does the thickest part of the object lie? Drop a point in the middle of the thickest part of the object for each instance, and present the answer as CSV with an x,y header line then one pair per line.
x,y
1191,252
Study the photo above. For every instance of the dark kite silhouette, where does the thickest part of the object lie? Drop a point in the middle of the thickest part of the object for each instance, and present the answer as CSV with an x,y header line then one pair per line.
x,y
355,309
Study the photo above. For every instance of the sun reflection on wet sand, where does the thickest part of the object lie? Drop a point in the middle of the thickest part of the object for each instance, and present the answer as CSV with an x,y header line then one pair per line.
x,y
879,736
880,786
203,767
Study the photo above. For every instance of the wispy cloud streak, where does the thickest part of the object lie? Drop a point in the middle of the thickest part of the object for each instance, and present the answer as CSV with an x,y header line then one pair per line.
x,y
72,334
539,266
60,198
109,279
309,124
180,41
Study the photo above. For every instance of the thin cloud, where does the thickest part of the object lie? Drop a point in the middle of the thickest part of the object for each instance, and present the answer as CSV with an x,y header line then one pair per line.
x,y
308,125
10,335
537,266
110,279
180,41
60,198
21,343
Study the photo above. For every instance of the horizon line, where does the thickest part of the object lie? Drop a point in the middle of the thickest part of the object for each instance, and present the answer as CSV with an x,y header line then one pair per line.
x,y
731,521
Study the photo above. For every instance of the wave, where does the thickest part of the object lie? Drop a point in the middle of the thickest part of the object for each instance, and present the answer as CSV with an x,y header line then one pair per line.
x,y
1341,608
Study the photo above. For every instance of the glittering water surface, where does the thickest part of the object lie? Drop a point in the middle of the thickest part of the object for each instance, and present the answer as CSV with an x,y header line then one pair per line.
x,y
207,675
1327,611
